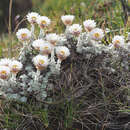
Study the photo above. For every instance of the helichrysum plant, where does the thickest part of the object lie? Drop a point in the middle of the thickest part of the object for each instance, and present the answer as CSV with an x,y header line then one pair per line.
x,y
41,56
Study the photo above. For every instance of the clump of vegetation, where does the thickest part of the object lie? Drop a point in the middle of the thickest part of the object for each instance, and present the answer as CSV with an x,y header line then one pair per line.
x,y
66,81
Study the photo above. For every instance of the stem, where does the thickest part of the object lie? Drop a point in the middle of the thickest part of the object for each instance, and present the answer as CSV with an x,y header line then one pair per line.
x,y
58,65
41,34
10,15
37,75
53,55
67,30
45,80
10,28
13,78
17,26
22,51
32,31
67,27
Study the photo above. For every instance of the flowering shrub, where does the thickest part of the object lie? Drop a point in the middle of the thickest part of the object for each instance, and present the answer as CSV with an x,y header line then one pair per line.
x,y
42,55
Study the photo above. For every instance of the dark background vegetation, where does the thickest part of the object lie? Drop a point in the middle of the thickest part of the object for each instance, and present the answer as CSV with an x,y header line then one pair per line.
x,y
97,9
19,9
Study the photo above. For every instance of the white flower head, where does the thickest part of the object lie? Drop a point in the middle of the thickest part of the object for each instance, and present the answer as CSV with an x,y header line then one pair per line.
x,y
89,25
23,34
43,21
97,34
37,43
5,62
32,17
52,38
40,62
15,66
75,29
46,48
4,72
62,52
67,19
118,41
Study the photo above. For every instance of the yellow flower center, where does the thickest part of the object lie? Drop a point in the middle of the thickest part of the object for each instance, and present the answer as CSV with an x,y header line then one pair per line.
x,y
34,18
75,29
46,47
43,22
15,66
23,35
41,61
97,35
117,42
62,53
3,72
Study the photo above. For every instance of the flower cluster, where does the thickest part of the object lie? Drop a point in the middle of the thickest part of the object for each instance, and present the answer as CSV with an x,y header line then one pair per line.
x,y
34,18
9,67
42,55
